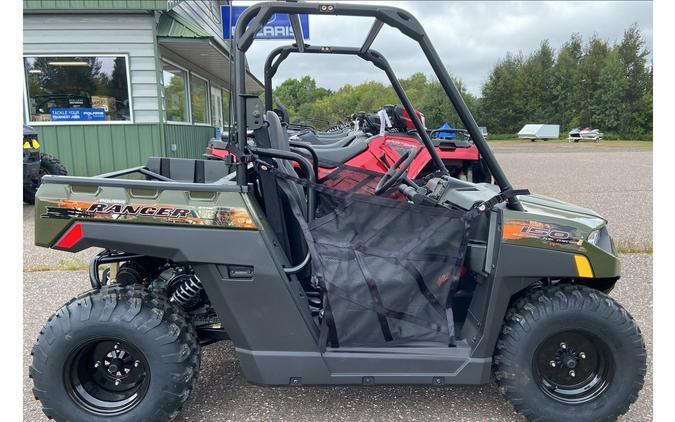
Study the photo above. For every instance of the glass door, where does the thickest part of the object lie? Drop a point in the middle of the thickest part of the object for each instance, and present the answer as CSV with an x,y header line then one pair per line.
x,y
217,109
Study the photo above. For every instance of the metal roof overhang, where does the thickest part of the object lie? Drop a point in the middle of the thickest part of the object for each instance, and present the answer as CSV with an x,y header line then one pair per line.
x,y
208,60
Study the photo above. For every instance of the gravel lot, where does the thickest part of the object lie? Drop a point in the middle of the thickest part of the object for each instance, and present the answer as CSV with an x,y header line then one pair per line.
x,y
617,182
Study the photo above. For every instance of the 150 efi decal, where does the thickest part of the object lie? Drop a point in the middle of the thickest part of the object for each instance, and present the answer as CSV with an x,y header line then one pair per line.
x,y
554,233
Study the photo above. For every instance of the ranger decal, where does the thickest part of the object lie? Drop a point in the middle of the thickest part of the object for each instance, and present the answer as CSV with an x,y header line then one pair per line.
x,y
229,217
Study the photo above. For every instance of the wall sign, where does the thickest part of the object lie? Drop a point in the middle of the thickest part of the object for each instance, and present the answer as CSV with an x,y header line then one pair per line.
x,y
77,114
277,28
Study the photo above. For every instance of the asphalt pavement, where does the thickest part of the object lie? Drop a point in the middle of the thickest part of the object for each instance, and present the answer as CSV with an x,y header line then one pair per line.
x,y
617,182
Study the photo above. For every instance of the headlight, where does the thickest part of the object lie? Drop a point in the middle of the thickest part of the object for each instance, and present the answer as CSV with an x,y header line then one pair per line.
x,y
594,237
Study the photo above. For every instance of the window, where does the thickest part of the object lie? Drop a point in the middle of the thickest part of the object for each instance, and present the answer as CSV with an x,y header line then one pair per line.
x,y
199,99
77,89
175,93
216,107
226,107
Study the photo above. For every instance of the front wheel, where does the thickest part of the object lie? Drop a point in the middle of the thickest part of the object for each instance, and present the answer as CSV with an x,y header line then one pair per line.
x,y
570,353
49,165
120,352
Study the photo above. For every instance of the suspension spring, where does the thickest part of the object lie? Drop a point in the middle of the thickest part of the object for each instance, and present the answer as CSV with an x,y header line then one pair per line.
x,y
188,291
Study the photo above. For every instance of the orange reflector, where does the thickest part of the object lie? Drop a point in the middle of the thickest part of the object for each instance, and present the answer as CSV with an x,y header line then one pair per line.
x,y
583,266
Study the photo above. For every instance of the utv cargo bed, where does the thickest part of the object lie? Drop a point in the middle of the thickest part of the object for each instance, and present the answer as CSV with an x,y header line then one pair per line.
x,y
166,191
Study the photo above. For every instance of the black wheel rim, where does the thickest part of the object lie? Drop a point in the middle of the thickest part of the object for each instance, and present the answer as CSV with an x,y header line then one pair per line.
x,y
107,377
573,367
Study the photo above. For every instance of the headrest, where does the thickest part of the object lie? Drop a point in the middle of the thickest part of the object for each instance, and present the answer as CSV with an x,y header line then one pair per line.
x,y
278,136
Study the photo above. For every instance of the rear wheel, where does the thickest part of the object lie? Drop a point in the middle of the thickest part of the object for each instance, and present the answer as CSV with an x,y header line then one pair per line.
x,y
570,352
122,352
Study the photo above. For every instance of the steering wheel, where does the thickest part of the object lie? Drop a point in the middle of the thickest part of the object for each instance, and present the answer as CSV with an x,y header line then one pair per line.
x,y
395,173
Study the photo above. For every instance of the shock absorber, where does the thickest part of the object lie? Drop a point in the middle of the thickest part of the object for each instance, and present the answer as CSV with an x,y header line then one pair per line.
x,y
187,292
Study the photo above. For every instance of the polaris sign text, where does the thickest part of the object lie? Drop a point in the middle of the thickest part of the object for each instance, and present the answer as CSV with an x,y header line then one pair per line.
x,y
277,28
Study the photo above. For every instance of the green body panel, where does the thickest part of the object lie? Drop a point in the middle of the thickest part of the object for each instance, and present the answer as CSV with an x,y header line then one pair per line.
x,y
44,5
548,223
90,150
58,205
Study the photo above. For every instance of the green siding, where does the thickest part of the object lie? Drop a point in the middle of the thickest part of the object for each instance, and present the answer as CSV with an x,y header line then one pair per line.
x,y
190,140
173,25
88,150
40,5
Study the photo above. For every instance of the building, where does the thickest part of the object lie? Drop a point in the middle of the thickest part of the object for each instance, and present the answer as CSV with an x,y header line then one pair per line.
x,y
109,83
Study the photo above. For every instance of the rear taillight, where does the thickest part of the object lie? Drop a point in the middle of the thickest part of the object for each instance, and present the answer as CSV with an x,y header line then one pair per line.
x,y
71,237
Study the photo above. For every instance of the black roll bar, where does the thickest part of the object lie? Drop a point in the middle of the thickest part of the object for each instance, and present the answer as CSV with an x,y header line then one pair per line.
x,y
297,32
372,34
253,18
306,166
281,53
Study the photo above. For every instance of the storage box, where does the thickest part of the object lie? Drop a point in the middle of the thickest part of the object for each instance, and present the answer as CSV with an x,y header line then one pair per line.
x,y
40,117
106,103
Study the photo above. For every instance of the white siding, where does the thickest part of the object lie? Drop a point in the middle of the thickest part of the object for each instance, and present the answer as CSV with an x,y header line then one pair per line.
x,y
205,14
130,34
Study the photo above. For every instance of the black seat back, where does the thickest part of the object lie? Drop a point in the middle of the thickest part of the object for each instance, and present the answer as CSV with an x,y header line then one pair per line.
x,y
188,170
277,205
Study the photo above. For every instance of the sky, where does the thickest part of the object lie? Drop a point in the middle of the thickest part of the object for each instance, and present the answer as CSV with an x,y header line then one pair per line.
x,y
470,37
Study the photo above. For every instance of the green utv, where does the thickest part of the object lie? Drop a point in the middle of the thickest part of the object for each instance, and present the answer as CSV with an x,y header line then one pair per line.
x,y
354,278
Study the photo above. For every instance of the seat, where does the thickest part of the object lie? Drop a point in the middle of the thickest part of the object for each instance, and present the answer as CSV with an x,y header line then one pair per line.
x,y
341,142
277,205
314,139
279,140
332,157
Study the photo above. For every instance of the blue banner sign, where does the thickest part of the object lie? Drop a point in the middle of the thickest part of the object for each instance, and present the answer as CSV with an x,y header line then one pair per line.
x,y
277,28
77,114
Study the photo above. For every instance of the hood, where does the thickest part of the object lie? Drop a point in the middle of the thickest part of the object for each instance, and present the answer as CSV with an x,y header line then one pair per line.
x,y
550,207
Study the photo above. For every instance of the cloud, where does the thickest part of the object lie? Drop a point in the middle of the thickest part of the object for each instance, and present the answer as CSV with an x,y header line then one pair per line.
x,y
470,37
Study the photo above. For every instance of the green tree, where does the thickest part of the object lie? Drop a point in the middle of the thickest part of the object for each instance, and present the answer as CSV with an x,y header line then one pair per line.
x,y
587,81
562,80
632,55
437,108
537,78
295,93
502,101
608,107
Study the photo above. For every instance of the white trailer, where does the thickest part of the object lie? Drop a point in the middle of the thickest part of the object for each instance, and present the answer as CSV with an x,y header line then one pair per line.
x,y
534,132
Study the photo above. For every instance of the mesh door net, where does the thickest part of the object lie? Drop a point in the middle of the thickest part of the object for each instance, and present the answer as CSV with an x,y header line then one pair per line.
x,y
386,268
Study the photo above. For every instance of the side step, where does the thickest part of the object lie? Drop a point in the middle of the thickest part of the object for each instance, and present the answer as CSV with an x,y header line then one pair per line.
x,y
368,366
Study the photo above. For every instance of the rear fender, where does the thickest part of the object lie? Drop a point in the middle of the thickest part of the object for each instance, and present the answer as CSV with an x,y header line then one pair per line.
x,y
263,309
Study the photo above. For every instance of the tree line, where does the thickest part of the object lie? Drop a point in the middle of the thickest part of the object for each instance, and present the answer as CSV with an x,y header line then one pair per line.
x,y
592,83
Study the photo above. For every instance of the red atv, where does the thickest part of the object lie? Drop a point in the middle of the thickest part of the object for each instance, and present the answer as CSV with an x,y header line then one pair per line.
x,y
365,148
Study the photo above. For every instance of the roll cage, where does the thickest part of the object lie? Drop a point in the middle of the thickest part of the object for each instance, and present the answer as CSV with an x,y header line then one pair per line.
x,y
253,18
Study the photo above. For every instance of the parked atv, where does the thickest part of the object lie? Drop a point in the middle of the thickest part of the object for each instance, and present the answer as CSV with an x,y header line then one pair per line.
x,y
364,278
36,165
373,147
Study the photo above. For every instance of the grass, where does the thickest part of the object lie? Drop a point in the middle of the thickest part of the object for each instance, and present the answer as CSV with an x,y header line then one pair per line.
x,y
583,144
71,264
625,247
